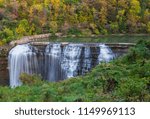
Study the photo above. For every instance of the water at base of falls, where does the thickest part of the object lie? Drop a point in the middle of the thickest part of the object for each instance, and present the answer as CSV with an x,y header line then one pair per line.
x,y
57,62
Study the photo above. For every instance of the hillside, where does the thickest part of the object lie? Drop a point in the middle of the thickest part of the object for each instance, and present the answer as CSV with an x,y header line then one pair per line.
x,y
78,17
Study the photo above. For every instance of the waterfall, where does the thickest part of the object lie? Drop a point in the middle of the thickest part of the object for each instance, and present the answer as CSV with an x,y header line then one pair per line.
x,y
56,62
71,59
105,54
22,59
53,70
87,60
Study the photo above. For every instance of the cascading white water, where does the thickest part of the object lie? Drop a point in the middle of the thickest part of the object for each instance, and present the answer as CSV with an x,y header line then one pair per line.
x,y
87,60
70,60
22,59
53,70
56,62
54,49
105,54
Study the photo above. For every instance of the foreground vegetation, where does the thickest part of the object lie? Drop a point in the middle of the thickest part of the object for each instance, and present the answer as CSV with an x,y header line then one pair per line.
x,y
124,79
78,17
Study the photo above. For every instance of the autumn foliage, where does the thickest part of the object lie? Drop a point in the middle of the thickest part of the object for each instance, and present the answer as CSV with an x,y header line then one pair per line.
x,y
28,17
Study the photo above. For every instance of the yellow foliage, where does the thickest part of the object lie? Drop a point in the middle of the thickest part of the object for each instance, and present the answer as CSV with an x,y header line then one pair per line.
x,y
20,30
123,4
55,4
146,15
103,15
1,43
32,29
47,2
148,27
1,2
135,7
53,26
8,32
23,28
46,14
43,21
35,8
121,12
120,15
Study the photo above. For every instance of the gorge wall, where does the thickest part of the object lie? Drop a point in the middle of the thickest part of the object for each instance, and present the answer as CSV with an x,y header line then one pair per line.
x,y
4,74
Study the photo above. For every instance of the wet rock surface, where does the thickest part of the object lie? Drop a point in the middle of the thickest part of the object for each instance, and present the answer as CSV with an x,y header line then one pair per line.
x,y
4,74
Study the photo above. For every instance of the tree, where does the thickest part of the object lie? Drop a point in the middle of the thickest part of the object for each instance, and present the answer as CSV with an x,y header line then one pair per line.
x,y
1,3
23,28
133,15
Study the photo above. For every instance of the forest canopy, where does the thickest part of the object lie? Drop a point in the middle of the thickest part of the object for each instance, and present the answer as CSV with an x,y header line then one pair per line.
x,y
80,17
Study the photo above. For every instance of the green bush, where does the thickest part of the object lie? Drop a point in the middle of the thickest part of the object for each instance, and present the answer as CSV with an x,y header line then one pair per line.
x,y
23,28
140,52
71,1
74,31
133,89
53,26
114,27
7,35
30,79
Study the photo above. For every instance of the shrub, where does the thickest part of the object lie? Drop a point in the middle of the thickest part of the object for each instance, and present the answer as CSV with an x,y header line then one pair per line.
x,y
140,52
7,35
133,89
74,31
30,79
53,26
114,27
71,1
23,28
148,27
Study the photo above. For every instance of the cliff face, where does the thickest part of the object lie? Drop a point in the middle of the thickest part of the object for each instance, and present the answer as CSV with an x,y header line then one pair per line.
x,y
4,73
118,49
